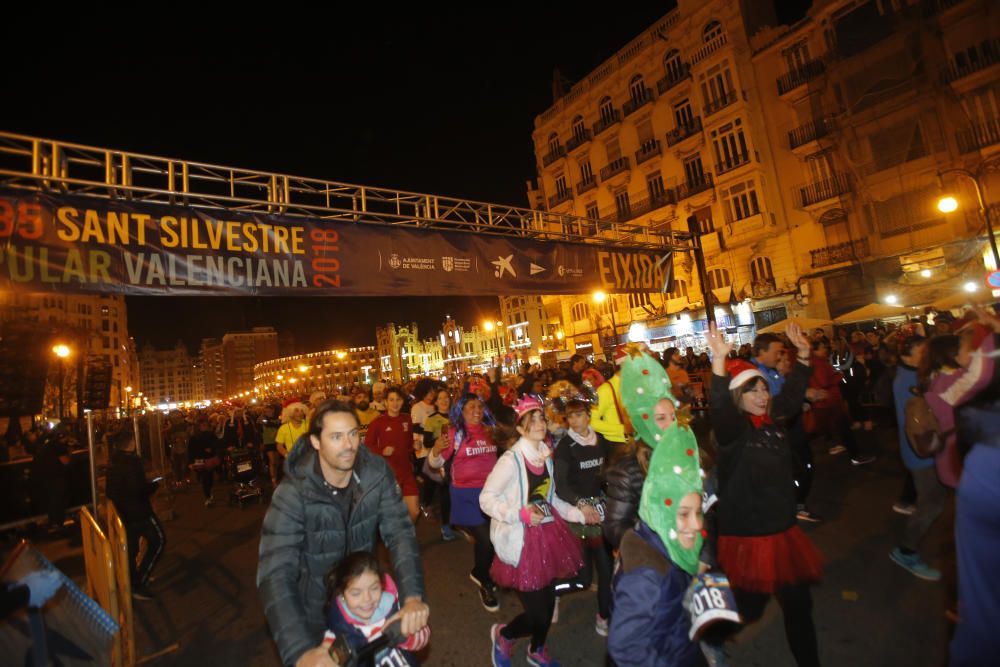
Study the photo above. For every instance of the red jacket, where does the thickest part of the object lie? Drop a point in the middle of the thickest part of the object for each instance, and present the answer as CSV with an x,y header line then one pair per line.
x,y
825,376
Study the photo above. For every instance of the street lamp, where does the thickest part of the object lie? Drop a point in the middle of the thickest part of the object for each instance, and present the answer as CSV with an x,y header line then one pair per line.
x,y
61,351
489,326
128,390
948,204
600,297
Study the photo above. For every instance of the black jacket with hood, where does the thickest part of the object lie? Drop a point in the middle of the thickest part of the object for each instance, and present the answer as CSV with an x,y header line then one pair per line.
x,y
305,535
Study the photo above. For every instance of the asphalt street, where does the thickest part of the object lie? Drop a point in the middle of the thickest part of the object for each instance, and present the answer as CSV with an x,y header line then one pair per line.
x,y
867,611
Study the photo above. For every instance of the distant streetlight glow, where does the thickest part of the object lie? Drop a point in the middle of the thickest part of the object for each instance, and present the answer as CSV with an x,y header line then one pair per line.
x,y
303,368
891,299
488,326
926,273
637,332
61,351
970,286
947,204
600,296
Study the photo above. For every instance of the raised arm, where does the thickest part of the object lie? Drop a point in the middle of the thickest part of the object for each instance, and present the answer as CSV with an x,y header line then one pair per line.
x,y
727,422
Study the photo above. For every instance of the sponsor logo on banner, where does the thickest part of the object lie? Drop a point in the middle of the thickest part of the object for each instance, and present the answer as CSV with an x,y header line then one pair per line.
x,y
418,263
534,268
569,272
504,265
457,264
395,262
448,263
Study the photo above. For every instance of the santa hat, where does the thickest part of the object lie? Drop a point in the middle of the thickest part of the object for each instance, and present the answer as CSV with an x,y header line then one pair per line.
x,y
620,355
526,405
741,371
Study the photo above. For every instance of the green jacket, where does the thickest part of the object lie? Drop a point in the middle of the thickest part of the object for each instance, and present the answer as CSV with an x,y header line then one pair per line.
x,y
304,537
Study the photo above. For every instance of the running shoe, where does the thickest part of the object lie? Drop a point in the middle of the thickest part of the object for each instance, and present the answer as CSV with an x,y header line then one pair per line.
x,y
555,611
140,592
541,658
862,460
501,646
905,509
804,514
837,449
601,626
447,534
915,565
488,596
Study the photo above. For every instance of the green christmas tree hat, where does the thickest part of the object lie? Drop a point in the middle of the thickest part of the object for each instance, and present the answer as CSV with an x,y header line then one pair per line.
x,y
674,468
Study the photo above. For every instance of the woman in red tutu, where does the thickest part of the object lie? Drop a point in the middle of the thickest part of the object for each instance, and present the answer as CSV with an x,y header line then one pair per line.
x,y
760,547
534,547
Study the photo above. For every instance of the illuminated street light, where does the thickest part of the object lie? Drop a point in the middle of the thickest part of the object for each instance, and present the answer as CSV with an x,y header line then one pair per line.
x,y
62,351
600,296
488,326
926,273
947,204
341,355
637,332
891,299
970,286
303,368
559,335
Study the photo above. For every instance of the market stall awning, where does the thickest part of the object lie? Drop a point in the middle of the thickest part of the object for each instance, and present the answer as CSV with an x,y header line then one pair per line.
x,y
874,311
978,298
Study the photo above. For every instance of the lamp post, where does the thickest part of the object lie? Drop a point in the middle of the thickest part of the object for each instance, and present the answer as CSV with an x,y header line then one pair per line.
x,y
128,405
948,204
600,297
489,326
61,351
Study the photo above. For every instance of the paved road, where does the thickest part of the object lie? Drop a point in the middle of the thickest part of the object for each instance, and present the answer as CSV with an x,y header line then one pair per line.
x,y
868,611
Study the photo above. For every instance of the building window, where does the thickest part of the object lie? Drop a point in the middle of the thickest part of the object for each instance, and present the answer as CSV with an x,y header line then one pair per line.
x,y
694,172
730,145
672,64
820,168
796,56
654,186
740,201
644,129
622,205
586,171
561,188
680,289
639,299
705,223
711,31
614,149
554,145
581,311
590,224
637,89
579,130
760,271
716,84
718,278
606,110
683,114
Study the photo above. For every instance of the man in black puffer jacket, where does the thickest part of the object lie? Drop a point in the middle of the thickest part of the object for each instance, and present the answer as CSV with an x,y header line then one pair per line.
x,y
130,492
335,498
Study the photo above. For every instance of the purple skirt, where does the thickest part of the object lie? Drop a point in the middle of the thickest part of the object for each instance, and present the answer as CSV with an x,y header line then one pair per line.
x,y
550,552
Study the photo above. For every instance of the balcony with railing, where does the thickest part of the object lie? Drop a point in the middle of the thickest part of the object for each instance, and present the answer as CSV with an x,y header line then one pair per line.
x,y
553,155
813,193
851,251
763,288
648,150
579,138
800,75
607,120
734,161
637,101
673,77
972,60
693,186
978,135
711,47
682,132
659,200
615,167
720,103
588,183
811,131
560,198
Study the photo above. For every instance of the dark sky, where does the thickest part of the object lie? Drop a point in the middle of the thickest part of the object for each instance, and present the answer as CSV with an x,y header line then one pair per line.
x,y
441,103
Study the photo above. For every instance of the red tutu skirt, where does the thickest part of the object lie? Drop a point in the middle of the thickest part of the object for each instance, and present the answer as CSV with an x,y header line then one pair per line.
x,y
769,562
550,552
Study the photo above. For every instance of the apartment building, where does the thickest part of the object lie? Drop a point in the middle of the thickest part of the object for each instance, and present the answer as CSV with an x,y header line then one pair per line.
x,y
302,374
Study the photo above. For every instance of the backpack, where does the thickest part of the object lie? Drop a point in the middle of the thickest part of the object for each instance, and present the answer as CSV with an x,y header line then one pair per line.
x,y
922,429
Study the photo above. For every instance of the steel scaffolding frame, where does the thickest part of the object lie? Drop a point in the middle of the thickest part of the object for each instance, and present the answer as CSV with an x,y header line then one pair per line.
x,y
49,165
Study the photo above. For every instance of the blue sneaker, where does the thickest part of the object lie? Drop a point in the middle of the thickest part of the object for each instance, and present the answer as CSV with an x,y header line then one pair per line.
x,y
541,658
915,565
447,534
502,647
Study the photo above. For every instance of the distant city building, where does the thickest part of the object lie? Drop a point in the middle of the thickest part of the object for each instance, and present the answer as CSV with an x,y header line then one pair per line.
x,y
90,325
213,369
402,355
167,376
302,374
241,352
525,331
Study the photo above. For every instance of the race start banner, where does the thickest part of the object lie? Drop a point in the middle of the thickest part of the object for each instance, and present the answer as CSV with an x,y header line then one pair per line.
x,y
65,243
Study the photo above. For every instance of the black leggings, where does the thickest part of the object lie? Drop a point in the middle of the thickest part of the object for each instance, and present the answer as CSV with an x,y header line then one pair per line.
x,y
151,529
483,551
796,609
598,556
536,619
207,478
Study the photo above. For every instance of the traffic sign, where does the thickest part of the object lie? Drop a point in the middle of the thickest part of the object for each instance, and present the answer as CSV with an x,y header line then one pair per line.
x,y
993,279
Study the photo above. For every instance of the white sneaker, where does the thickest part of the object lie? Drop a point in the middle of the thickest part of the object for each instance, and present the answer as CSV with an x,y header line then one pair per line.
x,y
601,626
555,611
837,449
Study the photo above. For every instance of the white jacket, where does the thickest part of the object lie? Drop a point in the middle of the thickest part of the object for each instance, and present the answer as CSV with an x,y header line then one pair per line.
x,y
506,492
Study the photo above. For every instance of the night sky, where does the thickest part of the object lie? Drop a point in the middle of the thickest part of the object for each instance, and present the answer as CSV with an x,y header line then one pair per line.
x,y
405,99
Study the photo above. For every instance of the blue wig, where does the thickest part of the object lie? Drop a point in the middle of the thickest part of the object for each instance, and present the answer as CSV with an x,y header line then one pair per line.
x,y
456,418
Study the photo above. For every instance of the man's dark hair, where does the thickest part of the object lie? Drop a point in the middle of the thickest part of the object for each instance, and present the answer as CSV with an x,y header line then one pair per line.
x,y
395,389
120,440
326,408
423,387
575,358
763,341
906,349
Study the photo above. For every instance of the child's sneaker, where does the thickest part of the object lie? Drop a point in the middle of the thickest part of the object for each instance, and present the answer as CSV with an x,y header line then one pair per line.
x,y
541,658
501,646
601,626
915,565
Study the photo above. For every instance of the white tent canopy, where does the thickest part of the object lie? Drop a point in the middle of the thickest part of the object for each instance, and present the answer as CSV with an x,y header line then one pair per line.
x,y
807,324
874,311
